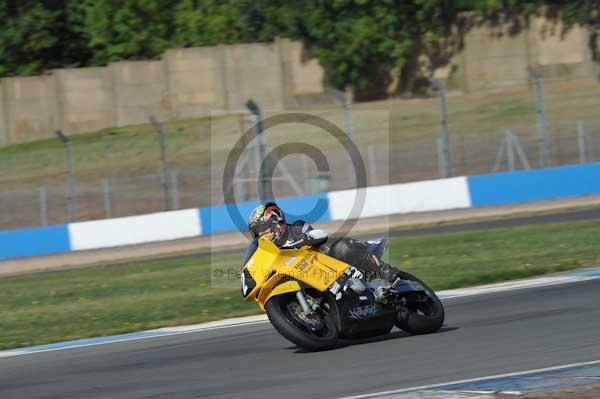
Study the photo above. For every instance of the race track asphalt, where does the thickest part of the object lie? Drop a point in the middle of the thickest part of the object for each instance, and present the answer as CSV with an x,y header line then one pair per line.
x,y
570,216
484,335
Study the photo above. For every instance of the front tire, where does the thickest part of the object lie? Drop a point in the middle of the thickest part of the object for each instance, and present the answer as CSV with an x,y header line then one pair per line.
x,y
283,312
421,318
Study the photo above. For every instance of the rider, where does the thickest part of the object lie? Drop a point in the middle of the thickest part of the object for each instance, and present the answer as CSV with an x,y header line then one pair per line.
x,y
268,218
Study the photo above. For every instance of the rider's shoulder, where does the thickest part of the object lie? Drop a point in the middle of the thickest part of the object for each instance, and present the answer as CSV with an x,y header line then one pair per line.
x,y
301,226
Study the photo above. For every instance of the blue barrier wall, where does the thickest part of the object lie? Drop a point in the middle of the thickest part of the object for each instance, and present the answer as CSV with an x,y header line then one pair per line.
x,y
34,241
534,185
493,189
224,218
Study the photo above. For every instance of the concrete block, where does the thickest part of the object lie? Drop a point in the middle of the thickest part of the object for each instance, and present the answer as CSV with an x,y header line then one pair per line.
x,y
85,99
30,108
3,118
254,71
554,44
139,90
194,81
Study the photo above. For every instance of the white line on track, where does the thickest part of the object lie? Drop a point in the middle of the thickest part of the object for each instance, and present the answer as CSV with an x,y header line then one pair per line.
x,y
590,274
157,333
383,394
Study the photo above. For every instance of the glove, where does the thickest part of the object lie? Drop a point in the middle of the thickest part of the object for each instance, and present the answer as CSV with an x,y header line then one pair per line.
x,y
315,237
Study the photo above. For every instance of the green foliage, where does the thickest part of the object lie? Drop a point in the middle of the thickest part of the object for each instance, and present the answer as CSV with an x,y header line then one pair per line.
x,y
206,23
38,35
358,41
128,29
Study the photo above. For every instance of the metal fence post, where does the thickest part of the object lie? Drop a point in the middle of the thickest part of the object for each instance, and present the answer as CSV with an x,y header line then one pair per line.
x,y
516,145
540,109
263,183
107,204
581,141
439,145
306,175
174,190
500,155
347,106
43,207
372,165
510,151
446,162
71,204
243,188
164,174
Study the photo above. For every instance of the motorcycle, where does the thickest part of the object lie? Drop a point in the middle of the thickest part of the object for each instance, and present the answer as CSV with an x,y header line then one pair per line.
x,y
313,299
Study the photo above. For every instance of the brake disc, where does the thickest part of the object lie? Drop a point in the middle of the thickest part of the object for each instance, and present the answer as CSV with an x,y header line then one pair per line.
x,y
313,322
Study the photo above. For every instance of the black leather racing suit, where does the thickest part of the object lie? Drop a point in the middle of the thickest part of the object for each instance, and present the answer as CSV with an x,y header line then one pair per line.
x,y
301,233
348,250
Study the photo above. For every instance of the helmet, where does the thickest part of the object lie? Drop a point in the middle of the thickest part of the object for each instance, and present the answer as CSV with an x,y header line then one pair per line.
x,y
267,218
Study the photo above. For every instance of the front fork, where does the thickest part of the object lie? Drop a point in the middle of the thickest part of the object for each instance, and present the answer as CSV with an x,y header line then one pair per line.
x,y
303,303
309,306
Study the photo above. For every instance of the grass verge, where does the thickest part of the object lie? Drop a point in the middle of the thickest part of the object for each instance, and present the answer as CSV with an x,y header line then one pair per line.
x,y
134,149
50,307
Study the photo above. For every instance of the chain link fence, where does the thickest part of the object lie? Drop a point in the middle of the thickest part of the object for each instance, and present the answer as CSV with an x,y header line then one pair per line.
x,y
134,170
410,160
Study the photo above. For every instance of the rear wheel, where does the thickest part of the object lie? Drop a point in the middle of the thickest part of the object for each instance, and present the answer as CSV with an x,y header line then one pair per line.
x,y
423,316
312,332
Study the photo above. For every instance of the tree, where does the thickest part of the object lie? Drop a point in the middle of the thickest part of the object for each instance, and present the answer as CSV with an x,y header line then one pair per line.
x,y
127,29
358,41
38,35
206,23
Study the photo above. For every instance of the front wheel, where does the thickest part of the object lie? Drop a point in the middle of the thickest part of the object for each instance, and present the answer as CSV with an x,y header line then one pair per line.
x,y
424,316
314,333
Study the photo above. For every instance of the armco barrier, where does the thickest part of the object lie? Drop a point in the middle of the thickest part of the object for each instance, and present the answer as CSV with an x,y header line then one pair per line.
x,y
534,185
161,226
453,193
34,241
218,218
430,195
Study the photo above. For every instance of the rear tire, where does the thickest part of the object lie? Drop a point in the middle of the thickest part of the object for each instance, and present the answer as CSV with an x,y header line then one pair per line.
x,y
287,325
422,319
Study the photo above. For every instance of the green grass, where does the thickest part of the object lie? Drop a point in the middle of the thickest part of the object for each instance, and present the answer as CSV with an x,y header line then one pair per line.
x,y
50,307
195,143
463,259
120,151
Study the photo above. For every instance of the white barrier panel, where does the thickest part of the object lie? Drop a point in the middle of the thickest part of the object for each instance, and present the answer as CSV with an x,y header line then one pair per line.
x,y
160,226
431,195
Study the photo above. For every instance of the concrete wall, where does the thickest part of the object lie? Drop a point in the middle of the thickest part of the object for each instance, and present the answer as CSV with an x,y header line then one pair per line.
x,y
3,121
186,83
30,108
303,77
192,82
254,71
195,81
84,99
492,62
496,55
138,89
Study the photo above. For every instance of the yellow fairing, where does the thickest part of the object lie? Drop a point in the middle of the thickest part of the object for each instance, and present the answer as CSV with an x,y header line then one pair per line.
x,y
277,271
283,288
